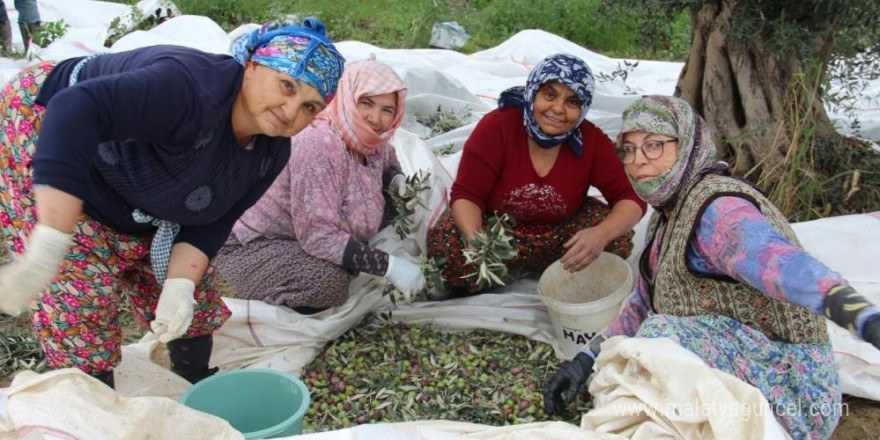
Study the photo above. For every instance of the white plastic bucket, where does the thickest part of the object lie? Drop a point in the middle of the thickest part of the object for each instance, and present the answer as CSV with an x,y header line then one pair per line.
x,y
583,303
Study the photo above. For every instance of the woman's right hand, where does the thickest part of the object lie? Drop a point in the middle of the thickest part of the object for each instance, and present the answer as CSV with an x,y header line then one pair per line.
x,y
566,383
468,218
23,281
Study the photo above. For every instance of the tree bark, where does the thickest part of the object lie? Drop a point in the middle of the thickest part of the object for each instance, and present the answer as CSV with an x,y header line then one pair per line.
x,y
754,99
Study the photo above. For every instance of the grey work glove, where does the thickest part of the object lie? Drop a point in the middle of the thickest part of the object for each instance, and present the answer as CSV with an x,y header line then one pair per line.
x,y
565,385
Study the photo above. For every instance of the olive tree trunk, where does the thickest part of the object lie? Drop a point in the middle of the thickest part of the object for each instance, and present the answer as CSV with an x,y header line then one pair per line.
x,y
752,98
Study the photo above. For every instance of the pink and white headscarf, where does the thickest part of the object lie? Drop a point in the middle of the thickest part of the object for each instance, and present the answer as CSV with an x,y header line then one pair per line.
x,y
364,78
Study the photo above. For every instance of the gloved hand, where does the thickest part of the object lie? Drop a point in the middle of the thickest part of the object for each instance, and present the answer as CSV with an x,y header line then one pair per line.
x,y
398,186
844,306
174,313
406,276
871,331
23,281
566,383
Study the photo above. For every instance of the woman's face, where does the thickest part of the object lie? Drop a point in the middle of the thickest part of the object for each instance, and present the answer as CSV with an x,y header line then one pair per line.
x,y
642,168
557,108
279,105
378,111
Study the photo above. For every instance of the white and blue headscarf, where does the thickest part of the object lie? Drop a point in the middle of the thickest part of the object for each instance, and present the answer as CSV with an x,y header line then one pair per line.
x,y
301,50
564,69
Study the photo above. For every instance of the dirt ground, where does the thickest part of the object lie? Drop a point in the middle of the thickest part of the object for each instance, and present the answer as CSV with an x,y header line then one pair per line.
x,y
862,421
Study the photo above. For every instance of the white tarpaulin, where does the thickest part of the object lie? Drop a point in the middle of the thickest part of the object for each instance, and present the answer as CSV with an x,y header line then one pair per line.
x,y
261,335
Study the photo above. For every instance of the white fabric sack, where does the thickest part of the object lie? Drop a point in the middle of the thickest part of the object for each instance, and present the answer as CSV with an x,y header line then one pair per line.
x,y
448,430
850,245
71,405
654,388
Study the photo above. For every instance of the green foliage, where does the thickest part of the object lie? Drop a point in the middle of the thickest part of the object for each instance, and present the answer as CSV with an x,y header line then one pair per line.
x,y
443,120
408,24
19,348
230,14
803,27
135,20
581,21
405,205
490,250
820,175
50,31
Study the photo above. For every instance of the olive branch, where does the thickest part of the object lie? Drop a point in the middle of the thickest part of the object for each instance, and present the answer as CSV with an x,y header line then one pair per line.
x,y
405,205
489,250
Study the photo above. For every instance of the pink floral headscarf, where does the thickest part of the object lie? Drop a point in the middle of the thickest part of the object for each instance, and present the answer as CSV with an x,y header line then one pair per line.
x,y
364,78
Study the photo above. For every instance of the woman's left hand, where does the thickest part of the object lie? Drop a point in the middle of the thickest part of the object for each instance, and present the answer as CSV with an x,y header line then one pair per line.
x,y
582,249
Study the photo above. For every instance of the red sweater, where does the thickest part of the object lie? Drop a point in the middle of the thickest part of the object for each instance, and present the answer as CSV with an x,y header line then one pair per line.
x,y
496,172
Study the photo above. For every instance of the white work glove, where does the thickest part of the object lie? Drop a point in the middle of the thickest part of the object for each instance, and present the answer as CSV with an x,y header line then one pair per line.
x,y
174,313
23,281
406,276
398,185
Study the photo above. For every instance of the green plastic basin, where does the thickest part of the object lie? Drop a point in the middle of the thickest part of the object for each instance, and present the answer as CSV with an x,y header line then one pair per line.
x,y
259,403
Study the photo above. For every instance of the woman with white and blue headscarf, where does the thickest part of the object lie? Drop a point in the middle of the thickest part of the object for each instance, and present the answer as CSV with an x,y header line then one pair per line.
x,y
144,161
534,158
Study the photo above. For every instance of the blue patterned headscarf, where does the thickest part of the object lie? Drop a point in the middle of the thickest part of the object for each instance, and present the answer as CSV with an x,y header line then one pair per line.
x,y
564,69
301,50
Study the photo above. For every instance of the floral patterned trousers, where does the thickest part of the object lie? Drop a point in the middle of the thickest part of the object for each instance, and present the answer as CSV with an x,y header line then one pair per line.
x,y
537,246
77,318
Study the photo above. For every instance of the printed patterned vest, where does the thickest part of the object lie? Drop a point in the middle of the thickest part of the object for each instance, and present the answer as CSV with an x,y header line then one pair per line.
x,y
678,291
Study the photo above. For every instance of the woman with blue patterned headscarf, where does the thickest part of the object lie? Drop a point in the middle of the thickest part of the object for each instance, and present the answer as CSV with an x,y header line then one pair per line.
x,y
534,158
145,159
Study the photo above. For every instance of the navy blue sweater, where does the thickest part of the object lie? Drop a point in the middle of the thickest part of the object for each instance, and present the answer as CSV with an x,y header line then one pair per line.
x,y
151,129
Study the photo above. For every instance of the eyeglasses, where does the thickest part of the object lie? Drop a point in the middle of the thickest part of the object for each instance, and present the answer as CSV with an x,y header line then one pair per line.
x,y
651,149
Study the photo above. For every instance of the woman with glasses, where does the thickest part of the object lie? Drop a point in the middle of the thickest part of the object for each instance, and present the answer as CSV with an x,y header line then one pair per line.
x,y
534,158
723,275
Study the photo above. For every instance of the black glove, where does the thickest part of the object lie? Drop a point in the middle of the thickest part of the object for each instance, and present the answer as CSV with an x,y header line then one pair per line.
x,y
566,383
871,331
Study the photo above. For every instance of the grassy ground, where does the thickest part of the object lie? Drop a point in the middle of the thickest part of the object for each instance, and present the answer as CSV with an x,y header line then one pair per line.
x,y
408,24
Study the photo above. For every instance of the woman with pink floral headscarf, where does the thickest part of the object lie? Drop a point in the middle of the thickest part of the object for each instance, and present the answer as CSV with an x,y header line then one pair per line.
x,y
301,244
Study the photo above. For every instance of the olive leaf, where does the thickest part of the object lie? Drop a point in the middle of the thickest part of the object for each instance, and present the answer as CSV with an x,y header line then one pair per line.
x,y
489,250
405,205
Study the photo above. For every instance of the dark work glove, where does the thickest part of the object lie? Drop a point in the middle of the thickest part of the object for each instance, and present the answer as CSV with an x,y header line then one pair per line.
x,y
566,383
871,331
844,306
